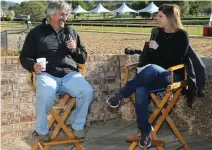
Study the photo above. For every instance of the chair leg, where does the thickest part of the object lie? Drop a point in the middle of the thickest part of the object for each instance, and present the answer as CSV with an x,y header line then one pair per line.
x,y
61,104
63,118
66,130
133,145
60,120
165,115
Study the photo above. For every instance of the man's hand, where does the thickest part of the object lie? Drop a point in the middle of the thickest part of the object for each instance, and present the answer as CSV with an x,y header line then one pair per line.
x,y
153,44
38,68
71,44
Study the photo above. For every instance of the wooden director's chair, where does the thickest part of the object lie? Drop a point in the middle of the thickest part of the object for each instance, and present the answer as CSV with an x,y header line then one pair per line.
x,y
161,113
59,114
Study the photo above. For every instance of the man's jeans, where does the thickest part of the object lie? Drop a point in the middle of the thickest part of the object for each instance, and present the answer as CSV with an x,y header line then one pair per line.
x,y
47,86
151,77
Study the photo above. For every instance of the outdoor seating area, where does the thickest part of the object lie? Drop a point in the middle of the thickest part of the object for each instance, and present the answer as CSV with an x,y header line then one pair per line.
x,y
97,75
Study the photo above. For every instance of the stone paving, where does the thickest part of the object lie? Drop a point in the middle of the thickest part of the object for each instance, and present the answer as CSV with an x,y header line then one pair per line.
x,y
111,136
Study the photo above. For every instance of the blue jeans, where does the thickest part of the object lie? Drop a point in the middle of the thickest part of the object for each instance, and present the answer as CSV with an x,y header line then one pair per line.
x,y
150,78
47,86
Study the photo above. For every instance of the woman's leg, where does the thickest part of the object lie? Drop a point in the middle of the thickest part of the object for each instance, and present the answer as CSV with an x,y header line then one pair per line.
x,y
141,106
147,75
143,79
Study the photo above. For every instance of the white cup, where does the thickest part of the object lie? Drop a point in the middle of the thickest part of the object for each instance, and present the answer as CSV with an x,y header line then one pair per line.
x,y
42,62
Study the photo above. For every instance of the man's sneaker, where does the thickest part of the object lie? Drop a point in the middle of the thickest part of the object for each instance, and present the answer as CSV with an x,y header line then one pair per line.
x,y
42,138
114,103
145,142
79,134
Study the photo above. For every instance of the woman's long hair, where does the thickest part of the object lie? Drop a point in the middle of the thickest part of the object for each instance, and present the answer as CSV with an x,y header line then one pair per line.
x,y
172,13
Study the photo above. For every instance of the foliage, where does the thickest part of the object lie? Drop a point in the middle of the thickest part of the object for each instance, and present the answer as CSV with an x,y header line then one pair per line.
x,y
137,5
194,8
35,9
9,15
9,53
195,22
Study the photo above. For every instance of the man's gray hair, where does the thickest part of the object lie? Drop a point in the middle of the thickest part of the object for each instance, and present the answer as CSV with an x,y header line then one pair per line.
x,y
54,6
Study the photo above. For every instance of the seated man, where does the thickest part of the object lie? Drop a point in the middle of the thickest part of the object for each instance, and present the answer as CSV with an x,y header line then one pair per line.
x,y
62,48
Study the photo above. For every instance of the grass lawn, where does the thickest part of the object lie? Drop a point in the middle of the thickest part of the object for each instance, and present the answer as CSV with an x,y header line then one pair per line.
x,y
190,29
12,24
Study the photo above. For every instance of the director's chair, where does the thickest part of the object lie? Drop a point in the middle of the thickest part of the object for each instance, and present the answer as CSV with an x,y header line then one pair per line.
x,y
164,105
59,113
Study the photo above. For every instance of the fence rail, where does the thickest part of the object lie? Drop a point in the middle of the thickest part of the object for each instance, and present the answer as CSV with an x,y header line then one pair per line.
x,y
20,34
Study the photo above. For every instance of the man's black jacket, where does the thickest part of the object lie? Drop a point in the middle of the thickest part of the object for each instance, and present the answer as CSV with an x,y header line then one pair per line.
x,y
44,41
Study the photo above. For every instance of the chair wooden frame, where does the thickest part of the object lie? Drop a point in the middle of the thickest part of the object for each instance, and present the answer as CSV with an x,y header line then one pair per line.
x,y
163,109
58,114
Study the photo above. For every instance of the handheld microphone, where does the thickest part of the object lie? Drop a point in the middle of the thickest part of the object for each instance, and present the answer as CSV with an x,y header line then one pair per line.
x,y
68,37
154,34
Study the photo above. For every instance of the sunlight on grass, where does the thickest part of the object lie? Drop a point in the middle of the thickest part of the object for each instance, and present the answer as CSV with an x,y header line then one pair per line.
x,y
191,30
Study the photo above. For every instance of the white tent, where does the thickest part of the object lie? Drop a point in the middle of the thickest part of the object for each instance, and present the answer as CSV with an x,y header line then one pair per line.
x,y
124,9
210,21
99,9
79,9
151,8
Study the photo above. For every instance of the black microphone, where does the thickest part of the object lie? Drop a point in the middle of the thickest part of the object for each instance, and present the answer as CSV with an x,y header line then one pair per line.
x,y
154,34
68,37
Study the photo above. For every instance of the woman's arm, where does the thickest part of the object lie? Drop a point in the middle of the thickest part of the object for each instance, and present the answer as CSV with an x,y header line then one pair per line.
x,y
181,45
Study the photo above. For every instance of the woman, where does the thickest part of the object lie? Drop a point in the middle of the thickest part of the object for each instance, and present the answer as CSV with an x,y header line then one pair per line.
x,y
168,48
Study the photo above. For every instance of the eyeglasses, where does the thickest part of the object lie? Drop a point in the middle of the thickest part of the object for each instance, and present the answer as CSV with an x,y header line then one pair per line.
x,y
63,14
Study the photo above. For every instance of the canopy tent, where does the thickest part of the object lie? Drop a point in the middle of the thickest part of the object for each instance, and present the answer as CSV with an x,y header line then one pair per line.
x,y
124,9
99,9
210,21
79,9
151,8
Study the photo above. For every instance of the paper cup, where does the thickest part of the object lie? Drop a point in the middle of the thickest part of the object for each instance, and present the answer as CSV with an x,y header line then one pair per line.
x,y
42,62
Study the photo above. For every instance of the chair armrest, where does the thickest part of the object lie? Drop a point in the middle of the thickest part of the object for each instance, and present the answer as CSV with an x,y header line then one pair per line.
x,y
31,80
176,67
172,69
131,65
81,66
126,68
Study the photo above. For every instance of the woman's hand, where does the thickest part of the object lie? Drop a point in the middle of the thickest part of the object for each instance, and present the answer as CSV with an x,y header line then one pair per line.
x,y
153,45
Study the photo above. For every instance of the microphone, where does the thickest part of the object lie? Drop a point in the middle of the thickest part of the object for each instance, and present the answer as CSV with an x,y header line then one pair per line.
x,y
68,37
154,34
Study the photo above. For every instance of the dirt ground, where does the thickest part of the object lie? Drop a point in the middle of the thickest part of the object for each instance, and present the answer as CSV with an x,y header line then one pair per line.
x,y
114,43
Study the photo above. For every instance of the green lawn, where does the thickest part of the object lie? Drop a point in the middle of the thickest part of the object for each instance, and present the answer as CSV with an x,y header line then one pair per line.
x,y
12,24
190,29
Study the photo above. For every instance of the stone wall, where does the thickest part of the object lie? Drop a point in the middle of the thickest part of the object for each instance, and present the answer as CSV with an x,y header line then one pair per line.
x,y
105,75
18,100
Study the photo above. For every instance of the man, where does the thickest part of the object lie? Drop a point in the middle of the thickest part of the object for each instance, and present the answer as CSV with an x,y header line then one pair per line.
x,y
62,48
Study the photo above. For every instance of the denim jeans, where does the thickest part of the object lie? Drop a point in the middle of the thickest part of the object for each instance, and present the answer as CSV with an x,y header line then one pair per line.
x,y
47,86
151,77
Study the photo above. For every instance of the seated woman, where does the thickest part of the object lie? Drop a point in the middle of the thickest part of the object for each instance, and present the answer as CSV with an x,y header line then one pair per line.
x,y
168,48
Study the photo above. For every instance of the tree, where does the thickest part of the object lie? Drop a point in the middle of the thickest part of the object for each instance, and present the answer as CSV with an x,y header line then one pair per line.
x,y
184,7
35,9
91,4
194,8
137,5
9,14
